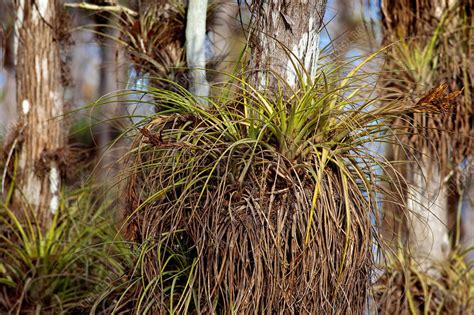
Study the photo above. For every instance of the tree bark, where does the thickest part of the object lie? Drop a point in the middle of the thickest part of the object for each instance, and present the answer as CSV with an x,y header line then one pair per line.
x,y
285,40
40,107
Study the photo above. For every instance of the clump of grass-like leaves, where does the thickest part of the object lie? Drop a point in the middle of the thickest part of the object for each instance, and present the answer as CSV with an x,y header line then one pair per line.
x,y
272,190
447,288
156,281
62,269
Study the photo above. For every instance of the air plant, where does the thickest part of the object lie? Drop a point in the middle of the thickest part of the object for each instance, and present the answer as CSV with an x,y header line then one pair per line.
x,y
62,269
272,192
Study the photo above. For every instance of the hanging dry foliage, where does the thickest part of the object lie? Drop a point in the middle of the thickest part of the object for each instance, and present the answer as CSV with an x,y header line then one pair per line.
x,y
247,223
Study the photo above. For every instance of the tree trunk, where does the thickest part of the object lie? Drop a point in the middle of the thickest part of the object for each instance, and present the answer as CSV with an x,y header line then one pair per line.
x,y
195,48
285,40
40,107
428,216
438,144
108,83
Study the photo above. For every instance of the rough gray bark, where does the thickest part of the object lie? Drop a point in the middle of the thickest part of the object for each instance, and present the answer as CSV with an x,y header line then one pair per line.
x,y
285,39
40,107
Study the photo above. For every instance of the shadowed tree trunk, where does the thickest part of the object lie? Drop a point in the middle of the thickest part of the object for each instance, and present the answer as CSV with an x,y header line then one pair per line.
x,y
443,141
40,103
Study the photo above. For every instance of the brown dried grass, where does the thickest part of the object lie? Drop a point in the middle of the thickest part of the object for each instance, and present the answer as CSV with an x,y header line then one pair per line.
x,y
250,234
